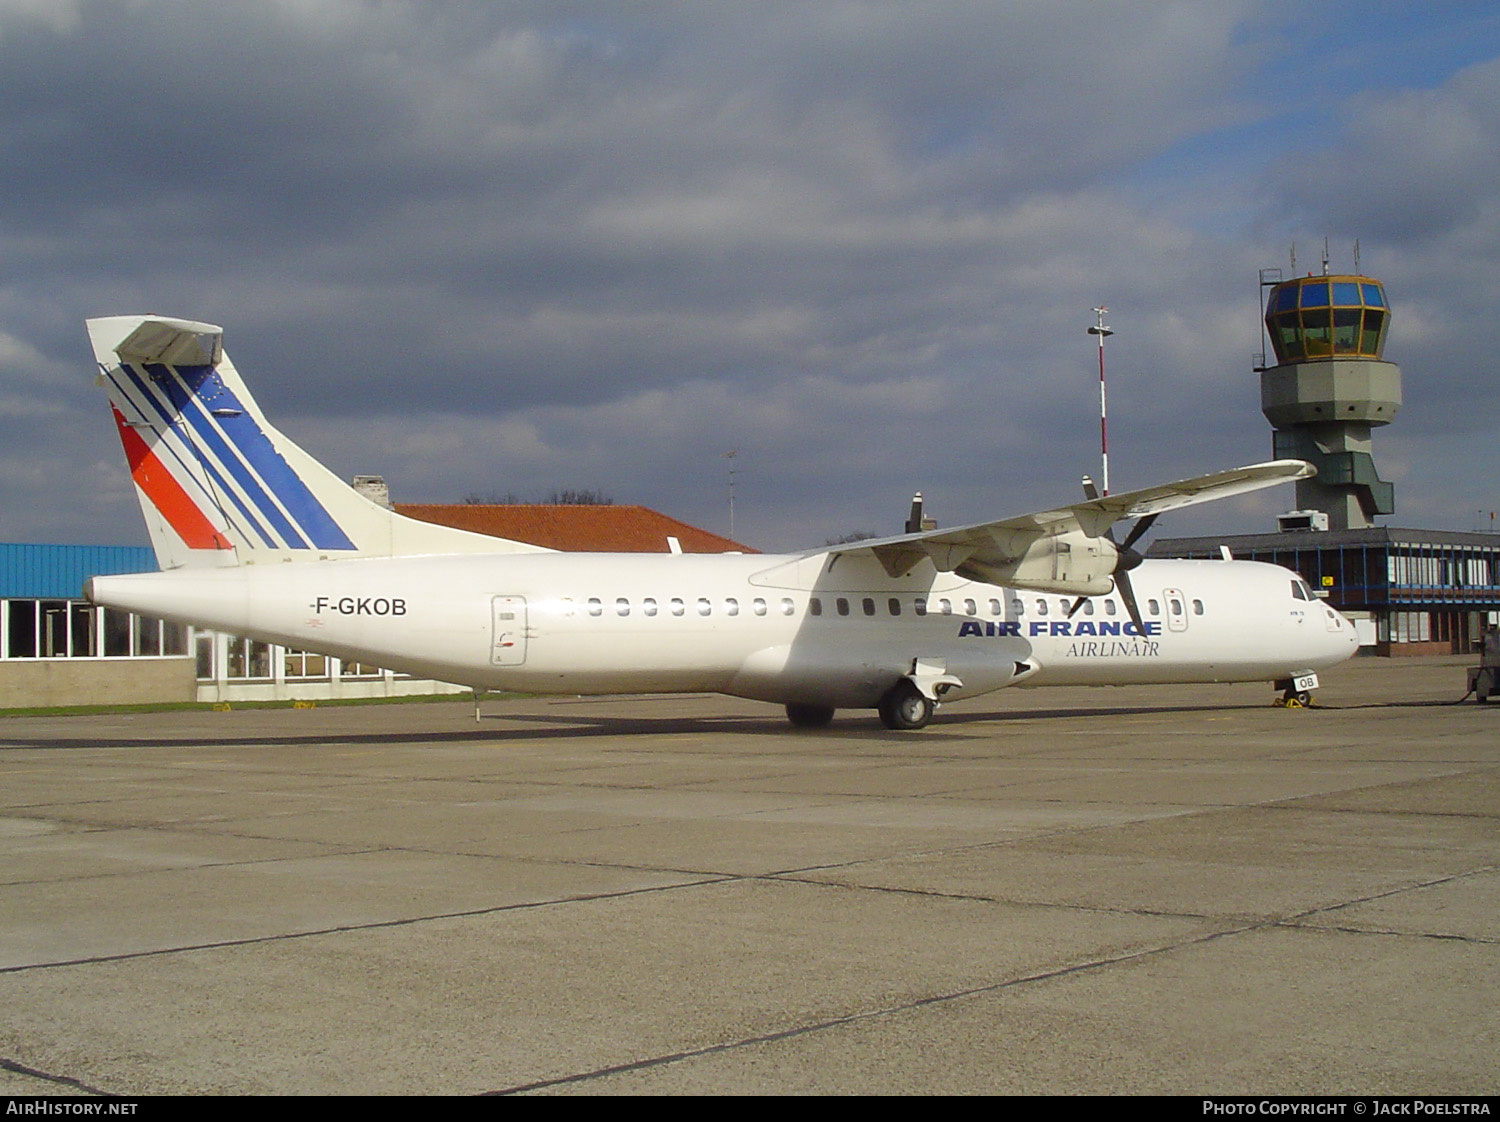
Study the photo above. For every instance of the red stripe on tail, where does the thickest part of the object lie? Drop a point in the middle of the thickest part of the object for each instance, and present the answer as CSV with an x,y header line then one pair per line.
x,y
165,493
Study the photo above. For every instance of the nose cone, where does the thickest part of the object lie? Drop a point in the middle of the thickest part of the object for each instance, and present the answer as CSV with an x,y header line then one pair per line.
x,y
1341,640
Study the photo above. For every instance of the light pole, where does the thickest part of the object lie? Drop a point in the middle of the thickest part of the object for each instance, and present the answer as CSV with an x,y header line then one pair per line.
x,y
1101,331
730,455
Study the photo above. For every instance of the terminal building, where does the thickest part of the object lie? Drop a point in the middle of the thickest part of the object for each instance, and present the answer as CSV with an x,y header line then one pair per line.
x,y
1408,591
58,649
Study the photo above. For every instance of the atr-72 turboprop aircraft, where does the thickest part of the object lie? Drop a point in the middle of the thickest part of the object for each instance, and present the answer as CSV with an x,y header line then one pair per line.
x,y
257,538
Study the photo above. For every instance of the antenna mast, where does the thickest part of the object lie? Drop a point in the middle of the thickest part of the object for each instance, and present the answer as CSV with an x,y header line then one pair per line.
x,y
1101,331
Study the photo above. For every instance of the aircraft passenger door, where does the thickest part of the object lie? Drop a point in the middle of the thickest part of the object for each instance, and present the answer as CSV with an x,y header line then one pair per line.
x,y
1177,609
508,637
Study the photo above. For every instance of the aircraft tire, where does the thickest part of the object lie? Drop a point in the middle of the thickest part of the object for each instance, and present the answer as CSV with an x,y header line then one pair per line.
x,y
905,709
809,716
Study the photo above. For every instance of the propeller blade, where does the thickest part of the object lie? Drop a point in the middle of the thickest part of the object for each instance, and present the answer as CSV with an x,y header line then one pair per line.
x,y
1127,594
1137,530
1076,605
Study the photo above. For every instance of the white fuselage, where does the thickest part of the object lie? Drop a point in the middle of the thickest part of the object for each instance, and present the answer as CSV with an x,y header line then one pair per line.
x,y
818,629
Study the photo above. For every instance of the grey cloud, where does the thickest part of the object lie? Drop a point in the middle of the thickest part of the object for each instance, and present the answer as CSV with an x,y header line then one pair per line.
x,y
527,245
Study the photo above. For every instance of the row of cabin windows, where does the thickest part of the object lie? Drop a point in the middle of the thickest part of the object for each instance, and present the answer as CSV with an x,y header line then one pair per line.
x,y
703,606
944,606
870,606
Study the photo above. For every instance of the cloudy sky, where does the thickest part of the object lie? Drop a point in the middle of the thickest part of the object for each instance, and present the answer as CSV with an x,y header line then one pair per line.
x,y
501,246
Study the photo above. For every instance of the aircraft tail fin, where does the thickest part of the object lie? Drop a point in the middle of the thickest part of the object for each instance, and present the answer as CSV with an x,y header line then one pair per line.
x,y
218,483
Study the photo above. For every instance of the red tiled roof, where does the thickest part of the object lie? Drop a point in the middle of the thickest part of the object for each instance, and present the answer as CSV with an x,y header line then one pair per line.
x,y
574,527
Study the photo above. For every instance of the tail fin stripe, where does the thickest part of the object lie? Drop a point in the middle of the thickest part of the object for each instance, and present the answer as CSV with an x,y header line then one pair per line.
x,y
196,461
165,493
259,453
191,410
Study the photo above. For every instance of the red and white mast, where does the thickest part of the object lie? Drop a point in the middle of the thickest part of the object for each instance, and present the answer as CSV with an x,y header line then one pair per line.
x,y
1101,331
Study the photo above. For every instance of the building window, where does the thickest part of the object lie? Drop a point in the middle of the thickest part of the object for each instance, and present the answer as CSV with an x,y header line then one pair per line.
x,y
304,664
77,629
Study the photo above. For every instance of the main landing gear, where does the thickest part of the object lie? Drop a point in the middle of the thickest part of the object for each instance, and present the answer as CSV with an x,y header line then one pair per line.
x,y
809,716
904,708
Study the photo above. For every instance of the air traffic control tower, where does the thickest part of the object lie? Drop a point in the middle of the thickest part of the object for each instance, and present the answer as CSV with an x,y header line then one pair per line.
x,y
1329,388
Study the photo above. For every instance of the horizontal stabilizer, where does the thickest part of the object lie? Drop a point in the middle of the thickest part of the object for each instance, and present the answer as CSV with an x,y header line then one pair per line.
x,y
174,342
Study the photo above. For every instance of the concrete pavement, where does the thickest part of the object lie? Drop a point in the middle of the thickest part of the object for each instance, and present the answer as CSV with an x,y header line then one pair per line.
x,y
1175,890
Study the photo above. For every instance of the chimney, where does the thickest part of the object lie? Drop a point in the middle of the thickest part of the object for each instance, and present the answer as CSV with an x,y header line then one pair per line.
x,y
373,487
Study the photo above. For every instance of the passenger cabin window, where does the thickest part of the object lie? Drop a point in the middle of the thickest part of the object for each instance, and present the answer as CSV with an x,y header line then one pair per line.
x,y
1154,607
842,605
622,607
894,605
731,607
919,606
596,606
814,606
704,606
677,606
1197,607
648,606
758,606
787,606
868,605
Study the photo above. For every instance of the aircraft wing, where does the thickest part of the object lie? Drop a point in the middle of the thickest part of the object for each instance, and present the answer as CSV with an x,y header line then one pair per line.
x,y
1063,550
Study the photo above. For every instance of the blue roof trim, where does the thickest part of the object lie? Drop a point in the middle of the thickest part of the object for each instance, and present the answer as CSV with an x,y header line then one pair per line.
x,y
57,572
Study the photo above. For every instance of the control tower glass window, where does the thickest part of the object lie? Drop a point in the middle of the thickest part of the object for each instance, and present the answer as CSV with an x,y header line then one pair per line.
x,y
1326,317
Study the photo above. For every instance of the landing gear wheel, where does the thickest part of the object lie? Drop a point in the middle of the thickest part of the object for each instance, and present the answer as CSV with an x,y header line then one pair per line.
x,y
905,709
809,716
